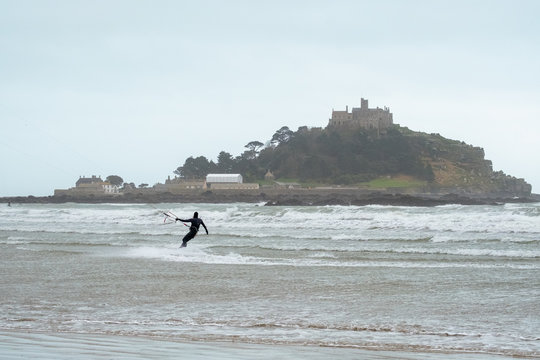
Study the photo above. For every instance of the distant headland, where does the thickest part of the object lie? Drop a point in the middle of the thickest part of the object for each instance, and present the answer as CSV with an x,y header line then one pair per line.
x,y
360,158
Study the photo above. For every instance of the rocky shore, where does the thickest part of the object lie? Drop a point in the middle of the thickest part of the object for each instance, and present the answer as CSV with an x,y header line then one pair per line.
x,y
288,198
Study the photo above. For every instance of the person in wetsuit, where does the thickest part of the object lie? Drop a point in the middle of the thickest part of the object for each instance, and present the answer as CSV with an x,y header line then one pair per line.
x,y
196,222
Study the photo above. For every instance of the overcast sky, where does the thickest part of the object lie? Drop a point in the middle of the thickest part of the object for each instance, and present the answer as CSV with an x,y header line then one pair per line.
x,y
133,88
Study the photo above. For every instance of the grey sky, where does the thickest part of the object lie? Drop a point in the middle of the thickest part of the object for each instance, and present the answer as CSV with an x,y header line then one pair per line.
x,y
133,88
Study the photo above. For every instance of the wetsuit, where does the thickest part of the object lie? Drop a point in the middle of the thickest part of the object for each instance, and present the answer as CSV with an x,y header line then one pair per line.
x,y
193,229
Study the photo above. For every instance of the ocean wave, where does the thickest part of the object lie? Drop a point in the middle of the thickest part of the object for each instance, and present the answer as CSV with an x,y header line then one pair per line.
x,y
71,242
89,231
385,246
473,237
297,222
399,337
198,254
469,252
52,251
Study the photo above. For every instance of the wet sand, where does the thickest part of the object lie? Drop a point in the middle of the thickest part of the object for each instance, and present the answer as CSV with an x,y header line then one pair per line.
x,y
23,345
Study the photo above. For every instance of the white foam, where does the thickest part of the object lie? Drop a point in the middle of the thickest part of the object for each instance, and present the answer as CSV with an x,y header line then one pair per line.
x,y
197,254
192,254
327,228
264,220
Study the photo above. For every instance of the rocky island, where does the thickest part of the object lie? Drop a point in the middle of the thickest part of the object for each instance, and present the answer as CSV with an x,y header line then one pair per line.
x,y
360,158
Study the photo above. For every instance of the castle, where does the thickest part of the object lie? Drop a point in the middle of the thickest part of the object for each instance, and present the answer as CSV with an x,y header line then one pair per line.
x,y
362,117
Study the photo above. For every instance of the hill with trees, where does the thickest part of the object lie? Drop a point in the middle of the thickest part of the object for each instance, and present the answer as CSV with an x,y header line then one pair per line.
x,y
358,157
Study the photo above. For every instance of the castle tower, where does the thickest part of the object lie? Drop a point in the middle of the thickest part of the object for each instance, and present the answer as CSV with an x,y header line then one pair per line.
x,y
364,104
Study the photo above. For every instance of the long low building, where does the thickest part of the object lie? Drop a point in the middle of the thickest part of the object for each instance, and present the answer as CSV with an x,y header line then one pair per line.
x,y
224,178
233,186
228,182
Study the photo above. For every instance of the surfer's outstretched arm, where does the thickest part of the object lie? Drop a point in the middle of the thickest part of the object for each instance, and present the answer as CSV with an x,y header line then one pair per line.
x,y
202,223
182,220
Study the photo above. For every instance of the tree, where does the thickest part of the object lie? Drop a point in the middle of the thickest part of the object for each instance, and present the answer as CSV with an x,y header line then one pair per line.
x,y
225,163
254,146
128,186
282,136
195,168
115,180
143,186
131,185
252,149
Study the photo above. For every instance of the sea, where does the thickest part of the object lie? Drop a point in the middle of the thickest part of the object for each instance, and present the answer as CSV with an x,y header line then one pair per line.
x,y
455,280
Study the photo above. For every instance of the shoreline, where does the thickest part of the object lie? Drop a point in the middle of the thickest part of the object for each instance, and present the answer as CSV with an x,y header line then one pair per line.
x,y
16,344
294,197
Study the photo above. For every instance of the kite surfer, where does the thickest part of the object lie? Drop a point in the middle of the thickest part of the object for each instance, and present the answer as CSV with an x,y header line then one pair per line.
x,y
196,222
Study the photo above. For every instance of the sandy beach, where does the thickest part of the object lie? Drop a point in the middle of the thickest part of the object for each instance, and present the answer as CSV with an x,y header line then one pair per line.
x,y
23,345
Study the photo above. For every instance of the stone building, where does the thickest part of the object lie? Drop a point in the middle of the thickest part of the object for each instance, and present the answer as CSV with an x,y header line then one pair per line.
x,y
179,184
229,182
269,176
88,180
362,117
211,182
89,186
